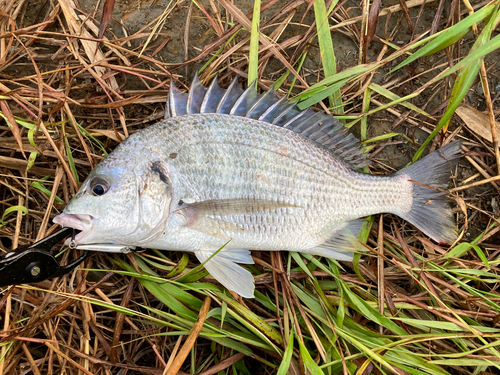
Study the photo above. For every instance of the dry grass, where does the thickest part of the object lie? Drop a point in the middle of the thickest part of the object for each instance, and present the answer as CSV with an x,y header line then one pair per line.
x,y
68,97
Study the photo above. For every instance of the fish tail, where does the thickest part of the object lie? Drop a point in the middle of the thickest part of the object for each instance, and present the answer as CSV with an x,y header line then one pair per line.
x,y
430,211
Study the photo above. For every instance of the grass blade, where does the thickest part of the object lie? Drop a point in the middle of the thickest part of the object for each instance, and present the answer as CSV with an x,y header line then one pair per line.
x,y
253,55
287,356
326,50
23,210
468,73
446,38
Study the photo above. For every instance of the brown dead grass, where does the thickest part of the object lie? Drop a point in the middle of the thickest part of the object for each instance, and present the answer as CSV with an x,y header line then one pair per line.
x,y
56,73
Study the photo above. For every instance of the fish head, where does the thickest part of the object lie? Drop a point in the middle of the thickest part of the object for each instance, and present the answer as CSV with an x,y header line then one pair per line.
x,y
125,200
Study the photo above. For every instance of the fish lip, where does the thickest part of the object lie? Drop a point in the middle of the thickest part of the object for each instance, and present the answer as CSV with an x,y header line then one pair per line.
x,y
82,222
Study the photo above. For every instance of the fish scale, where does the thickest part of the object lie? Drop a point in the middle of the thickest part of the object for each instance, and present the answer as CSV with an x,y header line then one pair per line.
x,y
258,175
231,148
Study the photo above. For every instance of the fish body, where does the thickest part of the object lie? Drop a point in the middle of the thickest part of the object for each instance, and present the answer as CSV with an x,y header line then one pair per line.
x,y
214,174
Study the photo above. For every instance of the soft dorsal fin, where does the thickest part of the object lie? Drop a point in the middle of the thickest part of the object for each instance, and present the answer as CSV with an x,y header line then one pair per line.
x,y
316,126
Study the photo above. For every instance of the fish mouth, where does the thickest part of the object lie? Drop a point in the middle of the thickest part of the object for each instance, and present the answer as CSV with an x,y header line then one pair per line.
x,y
85,223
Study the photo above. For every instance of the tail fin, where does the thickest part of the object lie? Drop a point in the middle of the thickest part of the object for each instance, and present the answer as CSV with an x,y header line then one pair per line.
x,y
430,211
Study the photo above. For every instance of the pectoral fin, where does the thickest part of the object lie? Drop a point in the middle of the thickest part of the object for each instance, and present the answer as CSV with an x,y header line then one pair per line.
x,y
214,227
223,268
207,216
222,207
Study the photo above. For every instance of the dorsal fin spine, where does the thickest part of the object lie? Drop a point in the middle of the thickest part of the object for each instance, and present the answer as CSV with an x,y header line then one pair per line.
x,y
192,90
295,118
283,113
196,95
270,109
263,98
208,94
227,93
319,127
178,100
305,116
242,97
168,112
171,101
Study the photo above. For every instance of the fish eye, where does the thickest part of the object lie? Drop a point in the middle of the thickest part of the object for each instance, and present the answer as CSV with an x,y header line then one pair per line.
x,y
99,186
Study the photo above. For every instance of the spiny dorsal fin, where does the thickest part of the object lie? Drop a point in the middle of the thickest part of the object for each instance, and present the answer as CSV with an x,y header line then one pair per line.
x,y
316,126
195,97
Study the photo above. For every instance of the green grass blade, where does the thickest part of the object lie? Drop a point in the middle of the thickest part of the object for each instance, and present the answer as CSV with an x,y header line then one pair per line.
x,y
23,210
468,73
468,362
162,294
383,137
31,160
323,94
253,56
355,71
31,133
326,50
371,313
309,363
388,94
40,186
366,107
257,321
287,357
447,37
180,267
481,255
71,162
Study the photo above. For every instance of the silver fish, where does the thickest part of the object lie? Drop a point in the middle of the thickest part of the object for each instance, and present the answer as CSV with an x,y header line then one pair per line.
x,y
249,171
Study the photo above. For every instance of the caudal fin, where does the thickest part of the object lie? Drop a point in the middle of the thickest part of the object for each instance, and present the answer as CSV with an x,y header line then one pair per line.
x,y
430,211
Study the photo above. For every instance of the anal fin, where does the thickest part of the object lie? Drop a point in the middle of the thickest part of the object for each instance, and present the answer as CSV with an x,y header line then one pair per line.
x,y
224,269
342,244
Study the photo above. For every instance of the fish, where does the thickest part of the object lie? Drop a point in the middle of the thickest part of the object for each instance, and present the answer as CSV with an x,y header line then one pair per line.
x,y
228,171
